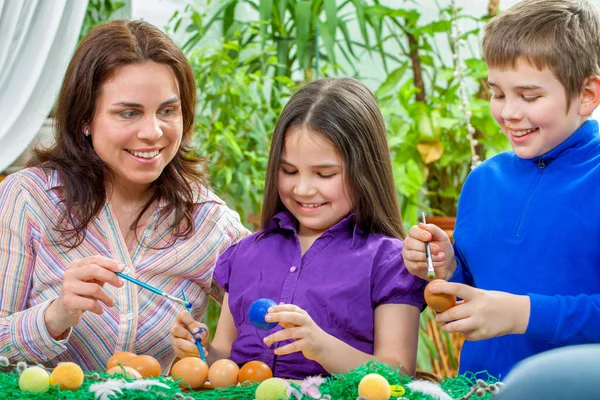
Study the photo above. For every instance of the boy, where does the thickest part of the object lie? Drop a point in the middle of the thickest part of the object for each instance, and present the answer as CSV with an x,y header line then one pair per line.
x,y
526,256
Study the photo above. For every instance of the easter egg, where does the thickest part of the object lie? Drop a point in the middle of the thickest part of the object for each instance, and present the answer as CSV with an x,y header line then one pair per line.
x,y
147,366
374,387
439,302
223,373
67,375
119,358
34,379
272,389
257,312
192,371
255,371
127,372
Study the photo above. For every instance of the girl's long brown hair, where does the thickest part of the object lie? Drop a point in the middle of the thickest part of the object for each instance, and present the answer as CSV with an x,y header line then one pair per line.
x,y
344,112
82,173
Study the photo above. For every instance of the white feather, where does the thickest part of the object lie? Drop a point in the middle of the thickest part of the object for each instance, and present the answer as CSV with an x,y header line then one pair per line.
x,y
432,389
113,387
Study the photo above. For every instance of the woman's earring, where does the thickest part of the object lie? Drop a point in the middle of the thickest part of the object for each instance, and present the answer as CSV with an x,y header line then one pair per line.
x,y
86,131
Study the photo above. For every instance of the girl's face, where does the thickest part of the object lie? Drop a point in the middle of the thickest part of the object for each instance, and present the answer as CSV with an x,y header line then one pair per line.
x,y
312,181
138,123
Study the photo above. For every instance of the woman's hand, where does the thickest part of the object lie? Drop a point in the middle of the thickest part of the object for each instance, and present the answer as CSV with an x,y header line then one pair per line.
x,y
308,337
183,331
82,290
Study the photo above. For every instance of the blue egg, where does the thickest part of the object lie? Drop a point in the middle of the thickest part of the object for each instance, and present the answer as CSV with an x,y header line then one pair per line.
x,y
257,312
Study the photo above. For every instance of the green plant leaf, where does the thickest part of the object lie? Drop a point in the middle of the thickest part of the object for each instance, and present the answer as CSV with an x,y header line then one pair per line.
x,y
331,15
302,22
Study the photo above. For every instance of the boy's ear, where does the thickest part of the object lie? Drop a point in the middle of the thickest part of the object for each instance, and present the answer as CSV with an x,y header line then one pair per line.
x,y
590,96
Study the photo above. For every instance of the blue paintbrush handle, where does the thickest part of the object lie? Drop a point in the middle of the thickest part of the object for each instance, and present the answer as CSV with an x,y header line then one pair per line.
x,y
140,283
197,336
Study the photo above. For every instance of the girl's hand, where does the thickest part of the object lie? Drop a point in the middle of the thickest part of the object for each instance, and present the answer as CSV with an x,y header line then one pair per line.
x,y
82,290
182,336
442,253
308,337
483,314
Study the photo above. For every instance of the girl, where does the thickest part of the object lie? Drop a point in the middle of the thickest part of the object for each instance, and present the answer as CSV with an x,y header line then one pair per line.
x,y
329,250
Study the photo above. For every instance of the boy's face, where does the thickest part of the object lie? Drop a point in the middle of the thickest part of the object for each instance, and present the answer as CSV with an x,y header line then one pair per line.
x,y
531,107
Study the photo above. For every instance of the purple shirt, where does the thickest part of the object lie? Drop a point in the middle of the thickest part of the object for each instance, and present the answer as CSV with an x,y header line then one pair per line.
x,y
339,281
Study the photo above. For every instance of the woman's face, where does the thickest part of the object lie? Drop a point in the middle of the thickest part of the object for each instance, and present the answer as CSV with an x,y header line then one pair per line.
x,y
138,123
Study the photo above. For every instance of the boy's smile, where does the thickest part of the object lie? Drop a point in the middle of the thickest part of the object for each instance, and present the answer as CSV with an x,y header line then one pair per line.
x,y
531,107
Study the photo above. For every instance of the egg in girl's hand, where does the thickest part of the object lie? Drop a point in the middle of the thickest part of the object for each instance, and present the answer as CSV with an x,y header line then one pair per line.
x,y
439,302
255,371
192,371
223,373
257,311
147,366
119,358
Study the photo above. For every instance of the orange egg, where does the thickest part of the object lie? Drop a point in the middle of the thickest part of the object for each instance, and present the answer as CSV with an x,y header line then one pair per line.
x,y
119,358
192,371
255,371
127,372
147,366
439,302
223,373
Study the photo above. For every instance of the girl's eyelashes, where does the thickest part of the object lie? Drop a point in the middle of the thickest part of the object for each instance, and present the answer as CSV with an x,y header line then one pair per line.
x,y
530,99
327,176
321,175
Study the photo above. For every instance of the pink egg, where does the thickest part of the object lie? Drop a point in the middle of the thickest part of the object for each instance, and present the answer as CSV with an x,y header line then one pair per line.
x,y
223,373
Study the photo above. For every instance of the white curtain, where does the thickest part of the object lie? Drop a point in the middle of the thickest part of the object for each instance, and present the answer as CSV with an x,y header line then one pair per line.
x,y
37,40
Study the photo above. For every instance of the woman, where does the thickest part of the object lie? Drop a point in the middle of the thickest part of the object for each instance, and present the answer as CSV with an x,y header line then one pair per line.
x,y
118,192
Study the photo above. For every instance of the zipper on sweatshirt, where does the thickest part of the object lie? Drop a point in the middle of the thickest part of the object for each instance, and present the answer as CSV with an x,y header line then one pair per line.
x,y
541,165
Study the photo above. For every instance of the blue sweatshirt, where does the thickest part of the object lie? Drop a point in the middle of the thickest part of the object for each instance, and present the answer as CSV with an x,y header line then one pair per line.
x,y
532,227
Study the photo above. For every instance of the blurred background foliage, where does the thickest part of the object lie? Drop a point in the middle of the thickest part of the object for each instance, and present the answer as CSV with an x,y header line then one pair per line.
x,y
246,77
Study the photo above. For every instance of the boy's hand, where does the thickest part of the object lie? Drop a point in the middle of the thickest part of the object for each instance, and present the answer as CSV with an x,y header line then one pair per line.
x,y
442,252
483,314
182,337
308,337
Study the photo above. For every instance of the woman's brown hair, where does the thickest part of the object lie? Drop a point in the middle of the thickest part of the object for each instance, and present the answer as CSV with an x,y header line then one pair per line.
x,y
82,173
345,113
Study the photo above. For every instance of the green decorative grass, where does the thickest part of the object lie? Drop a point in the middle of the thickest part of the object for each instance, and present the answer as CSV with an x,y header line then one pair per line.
x,y
338,387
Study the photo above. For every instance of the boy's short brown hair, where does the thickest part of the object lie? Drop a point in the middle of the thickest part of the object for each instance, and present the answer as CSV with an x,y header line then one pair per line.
x,y
562,35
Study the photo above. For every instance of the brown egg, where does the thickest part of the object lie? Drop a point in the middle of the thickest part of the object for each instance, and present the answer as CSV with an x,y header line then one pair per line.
x,y
192,371
119,358
147,366
223,373
128,372
439,302
255,371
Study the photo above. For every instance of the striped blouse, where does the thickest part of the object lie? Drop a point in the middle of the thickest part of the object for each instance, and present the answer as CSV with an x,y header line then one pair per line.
x,y
32,267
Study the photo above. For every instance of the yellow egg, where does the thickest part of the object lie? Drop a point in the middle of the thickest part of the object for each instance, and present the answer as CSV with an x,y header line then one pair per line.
x,y
439,302
223,373
192,371
119,358
67,375
127,372
374,387
147,366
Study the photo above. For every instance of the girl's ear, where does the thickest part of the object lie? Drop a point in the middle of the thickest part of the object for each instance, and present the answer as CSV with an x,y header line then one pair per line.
x,y
590,95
